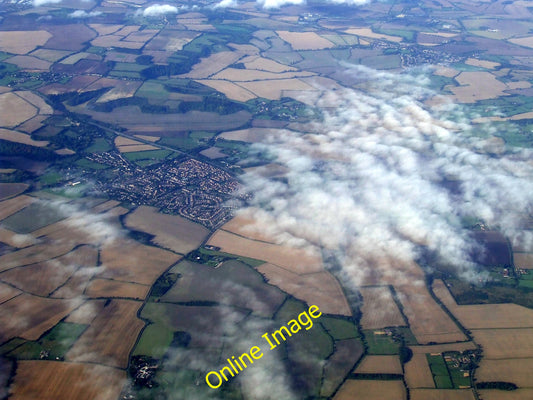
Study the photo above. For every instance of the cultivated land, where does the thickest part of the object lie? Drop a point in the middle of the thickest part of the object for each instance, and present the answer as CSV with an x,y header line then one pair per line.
x,y
61,380
369,390
175,102
170,231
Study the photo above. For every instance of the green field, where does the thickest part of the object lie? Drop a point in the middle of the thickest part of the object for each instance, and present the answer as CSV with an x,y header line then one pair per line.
x,y
380,344
154,341
148,155
339,328
99,146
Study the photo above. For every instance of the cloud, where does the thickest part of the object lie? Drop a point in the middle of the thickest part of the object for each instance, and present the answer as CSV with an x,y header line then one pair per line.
x,y
84,14
158,10
273,4
38,3
226,4
269,4
384,178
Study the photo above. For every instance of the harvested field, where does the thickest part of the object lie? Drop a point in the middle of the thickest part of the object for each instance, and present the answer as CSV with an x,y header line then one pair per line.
x,y
212,64
417,372
248,75
148,138
371,390
105,206
7,292
105,29
122,141
265,64
524,41
66,381
298,261
19,137
273,89
379,308
22,42
28,316
477,86
305,40
115,41
14,110
319,288
213,153
443,394
11,206
130,261
76,83
170,231
482,316
120,91
516,370
523,260
339,364
482,63
36,100
43,278
231,90
111,336
87,312
140,147
441,348
32,124
110,288
367,32
505,343
520,394
50,55
34,254
11,189
246,224
30,63
380,365
428,322
14,239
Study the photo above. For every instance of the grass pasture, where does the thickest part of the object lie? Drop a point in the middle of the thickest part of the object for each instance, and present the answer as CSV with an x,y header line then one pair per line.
x,y
380,344
35,216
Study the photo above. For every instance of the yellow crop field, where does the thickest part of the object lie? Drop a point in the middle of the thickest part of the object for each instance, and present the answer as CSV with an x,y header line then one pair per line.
x,y
274,88
170,231
520,394
305,40
418,373
19,137
380,365
442,394
66,381
22,42
110,288
441,348
367,32
516,370
505,343
111,335
379,308
14,110
371,390
247,75
213,64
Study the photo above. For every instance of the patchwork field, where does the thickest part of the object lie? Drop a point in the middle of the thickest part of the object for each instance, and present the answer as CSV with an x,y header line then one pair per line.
x,y
379,365
480,85
379,308
305,40
428,322
170,231
14,110
273,89
111,335
371,390
319,288
441,348
298,261
367,32
418,373
485,315
66,381
19,137
213,64
11,189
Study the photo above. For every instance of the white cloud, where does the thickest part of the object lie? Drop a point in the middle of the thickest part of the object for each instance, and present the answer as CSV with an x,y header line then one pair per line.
x,y
38,3
84,14
226,4
371,181
278,3
157,10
